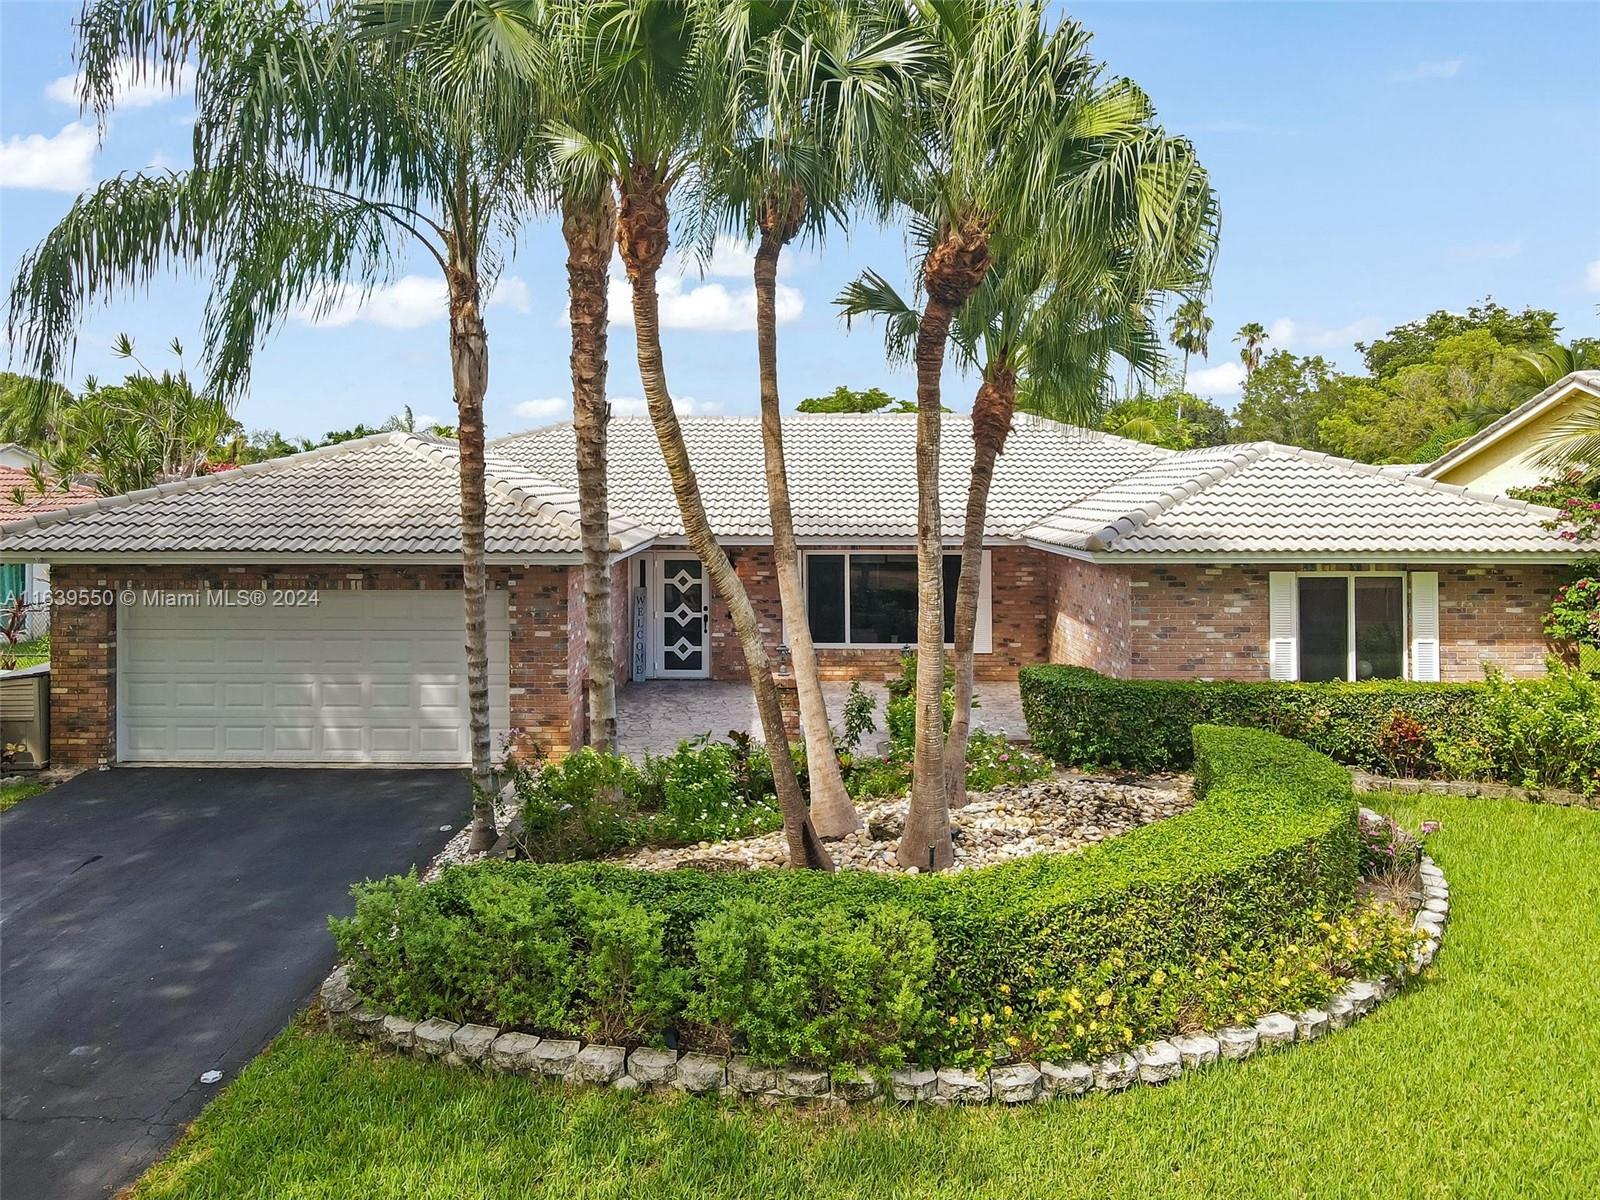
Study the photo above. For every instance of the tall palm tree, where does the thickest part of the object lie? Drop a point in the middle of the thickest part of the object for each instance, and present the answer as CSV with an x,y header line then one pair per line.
x,y
1011,115
325,147
1043,328
1253,337
822,86
1191,332
1543,366
653,116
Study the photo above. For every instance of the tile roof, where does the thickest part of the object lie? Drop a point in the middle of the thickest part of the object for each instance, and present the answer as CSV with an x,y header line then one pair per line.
x,y
853,479
850,476
394,493
1262,498
34,501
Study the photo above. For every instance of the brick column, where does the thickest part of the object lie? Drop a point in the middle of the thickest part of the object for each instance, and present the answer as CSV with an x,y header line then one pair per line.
x,y
83,672
542,705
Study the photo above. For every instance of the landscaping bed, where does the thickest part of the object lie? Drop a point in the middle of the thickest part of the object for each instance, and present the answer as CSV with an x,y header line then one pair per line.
x,y
1243,905
1056,815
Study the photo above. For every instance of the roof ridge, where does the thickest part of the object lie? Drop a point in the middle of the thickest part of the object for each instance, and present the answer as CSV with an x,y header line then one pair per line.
x,y
1586,378
1102,538
194,482
546,508
1425,483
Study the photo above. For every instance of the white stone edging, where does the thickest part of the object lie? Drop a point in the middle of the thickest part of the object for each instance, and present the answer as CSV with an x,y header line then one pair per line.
x,y
572,1061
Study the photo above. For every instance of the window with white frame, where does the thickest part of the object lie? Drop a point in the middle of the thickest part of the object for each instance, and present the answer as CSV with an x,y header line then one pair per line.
x,y
868,598
1354,626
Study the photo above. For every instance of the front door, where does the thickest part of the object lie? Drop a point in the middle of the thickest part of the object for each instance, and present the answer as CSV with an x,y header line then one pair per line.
x,y
682,616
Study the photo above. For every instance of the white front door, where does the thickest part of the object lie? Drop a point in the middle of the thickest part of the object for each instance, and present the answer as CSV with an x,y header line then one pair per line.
x,y
681,618
364,676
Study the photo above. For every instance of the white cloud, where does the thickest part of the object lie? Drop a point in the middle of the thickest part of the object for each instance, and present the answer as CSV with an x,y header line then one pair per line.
x,y
1441,68
1591,276
731,259
1224,379
59,164
543,408
132,88
407,303
1479,251
706,307
684,406
1288,334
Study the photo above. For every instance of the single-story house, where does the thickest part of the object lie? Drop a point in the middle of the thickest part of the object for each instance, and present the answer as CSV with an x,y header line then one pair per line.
x,y
20,497
308,609
1505,454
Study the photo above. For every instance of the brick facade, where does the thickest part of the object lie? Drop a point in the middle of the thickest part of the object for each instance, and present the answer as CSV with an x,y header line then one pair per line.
x,y
1494,615
1088,611
83,655
1197,622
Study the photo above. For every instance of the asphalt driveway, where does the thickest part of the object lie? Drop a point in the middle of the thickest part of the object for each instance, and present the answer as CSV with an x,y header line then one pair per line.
x,y
158,923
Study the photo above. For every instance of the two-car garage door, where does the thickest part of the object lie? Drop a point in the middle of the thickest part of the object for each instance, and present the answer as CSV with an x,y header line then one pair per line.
x,y
359,677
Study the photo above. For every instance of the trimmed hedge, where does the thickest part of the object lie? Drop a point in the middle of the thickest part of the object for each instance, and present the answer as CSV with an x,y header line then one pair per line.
x,y
1082,718
795,965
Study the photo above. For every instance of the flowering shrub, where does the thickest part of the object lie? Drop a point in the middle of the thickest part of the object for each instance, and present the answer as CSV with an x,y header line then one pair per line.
x,y
993,760
1387,847
1574,614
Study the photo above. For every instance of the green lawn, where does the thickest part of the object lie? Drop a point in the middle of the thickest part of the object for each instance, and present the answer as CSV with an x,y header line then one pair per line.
x,y
1483,1082
15,790
32,653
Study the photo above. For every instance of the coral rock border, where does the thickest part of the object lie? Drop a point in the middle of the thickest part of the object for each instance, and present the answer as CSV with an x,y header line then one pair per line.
x,y
571,1061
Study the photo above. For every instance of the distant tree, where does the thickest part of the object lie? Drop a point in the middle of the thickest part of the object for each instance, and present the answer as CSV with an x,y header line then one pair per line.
x,y
1252,336
851,400
1285,400
1176,420
1191,333
263,444
23,417
1416,341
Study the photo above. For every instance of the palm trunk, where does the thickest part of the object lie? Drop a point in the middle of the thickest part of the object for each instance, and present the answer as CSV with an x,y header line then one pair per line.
x,y
588,224
641,234
992,411
469,368
1184,378
832,813
925,841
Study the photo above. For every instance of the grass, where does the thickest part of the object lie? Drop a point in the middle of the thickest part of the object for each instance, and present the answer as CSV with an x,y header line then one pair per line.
x,y
30,653
1482,1082
15,790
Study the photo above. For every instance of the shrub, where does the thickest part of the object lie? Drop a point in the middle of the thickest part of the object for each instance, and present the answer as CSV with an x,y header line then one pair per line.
x,y
1082,718
579,807
1534,732
863,968
993,760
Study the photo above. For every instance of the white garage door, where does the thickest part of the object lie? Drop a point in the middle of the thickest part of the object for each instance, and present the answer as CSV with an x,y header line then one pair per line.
x,y
362,677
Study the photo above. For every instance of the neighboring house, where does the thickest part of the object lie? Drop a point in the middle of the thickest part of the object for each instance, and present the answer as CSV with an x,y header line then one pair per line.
x,y
307,609
30,578
1505,454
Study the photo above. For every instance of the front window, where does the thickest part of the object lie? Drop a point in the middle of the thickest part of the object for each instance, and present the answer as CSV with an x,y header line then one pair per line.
x,y
1351,627
862,599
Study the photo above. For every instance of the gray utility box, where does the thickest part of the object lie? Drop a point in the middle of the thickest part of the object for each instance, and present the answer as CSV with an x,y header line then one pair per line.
x,y
25,716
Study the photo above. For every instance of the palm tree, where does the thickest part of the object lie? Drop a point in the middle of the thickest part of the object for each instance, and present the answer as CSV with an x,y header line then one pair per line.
x,y
1044,326
1543,366
1254,336
1191,333
1014,110
822,90
653,115
324,149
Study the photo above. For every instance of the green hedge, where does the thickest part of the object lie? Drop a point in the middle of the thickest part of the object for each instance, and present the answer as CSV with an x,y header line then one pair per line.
x,y
1054,954
1079,717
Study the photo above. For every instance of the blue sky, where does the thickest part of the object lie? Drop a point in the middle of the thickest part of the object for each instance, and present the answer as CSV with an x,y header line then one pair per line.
x,y
1374,162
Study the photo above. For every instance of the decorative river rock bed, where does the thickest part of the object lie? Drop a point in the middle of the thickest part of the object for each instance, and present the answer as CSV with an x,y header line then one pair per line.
x,y
1051,816
571,1061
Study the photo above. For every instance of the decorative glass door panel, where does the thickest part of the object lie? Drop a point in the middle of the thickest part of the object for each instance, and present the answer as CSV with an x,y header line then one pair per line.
x,y
683,616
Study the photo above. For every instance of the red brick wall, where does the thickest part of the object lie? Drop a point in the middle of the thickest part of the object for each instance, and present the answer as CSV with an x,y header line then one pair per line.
x,y
1493,614
1196,622
1088,613
1019,597
83,642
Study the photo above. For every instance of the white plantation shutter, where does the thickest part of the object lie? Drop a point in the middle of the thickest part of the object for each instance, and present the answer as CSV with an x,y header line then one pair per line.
x,y
1283,655
1425,626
